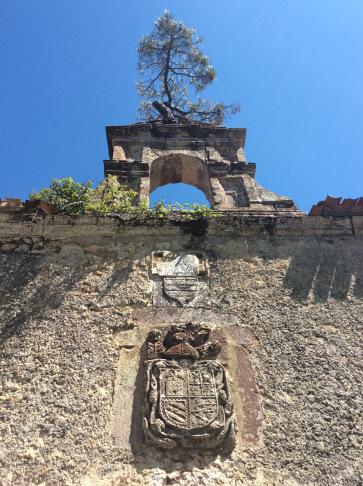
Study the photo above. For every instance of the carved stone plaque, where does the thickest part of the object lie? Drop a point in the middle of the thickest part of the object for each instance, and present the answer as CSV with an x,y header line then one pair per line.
x,y
182,289
180,279
187,397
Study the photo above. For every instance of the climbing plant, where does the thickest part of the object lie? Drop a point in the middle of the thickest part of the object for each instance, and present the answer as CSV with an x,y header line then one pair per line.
x,y
111,198
67,195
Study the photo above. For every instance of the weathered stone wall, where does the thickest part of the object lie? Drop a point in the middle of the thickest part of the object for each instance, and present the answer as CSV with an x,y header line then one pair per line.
x,y
145,156
78,298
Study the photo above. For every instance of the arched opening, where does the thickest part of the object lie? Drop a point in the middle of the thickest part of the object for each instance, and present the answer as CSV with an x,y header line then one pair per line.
x,y
178,193
174,175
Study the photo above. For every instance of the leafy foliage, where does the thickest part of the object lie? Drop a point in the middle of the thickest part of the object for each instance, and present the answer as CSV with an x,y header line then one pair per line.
x,y
73,197
171,63
67,195
110,198
184,211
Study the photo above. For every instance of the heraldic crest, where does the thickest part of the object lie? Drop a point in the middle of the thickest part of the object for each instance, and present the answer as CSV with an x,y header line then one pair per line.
x,y
187,398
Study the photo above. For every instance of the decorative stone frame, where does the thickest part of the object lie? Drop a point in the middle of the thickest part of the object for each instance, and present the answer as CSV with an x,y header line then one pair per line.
x,y
145,156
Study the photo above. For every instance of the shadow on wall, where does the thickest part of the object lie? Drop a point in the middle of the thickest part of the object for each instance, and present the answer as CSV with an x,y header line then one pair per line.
x,y
31,287
326,269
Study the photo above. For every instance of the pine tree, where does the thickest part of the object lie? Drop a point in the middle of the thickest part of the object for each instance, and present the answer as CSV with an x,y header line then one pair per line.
x,y
172,66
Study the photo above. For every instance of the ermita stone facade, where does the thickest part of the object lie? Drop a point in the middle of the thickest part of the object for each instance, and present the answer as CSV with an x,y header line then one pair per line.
x,y
281,292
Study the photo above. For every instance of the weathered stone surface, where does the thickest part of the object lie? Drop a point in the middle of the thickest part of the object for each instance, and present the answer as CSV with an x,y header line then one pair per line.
x,y
146,156
102,230
118,153
187,400
358,225
7,247
315,226
75,311
180,279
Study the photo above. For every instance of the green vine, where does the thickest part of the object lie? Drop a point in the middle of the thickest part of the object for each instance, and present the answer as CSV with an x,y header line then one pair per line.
x,y
110,198
67,195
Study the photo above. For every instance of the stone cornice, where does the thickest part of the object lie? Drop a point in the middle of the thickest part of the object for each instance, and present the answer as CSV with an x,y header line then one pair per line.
x,y
147,131
234,226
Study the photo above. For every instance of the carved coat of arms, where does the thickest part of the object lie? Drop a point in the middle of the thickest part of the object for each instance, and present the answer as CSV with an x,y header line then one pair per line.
x,y
188,402
180,279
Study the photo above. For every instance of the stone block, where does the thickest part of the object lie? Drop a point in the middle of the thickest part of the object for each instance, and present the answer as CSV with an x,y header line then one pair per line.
x,y
357,222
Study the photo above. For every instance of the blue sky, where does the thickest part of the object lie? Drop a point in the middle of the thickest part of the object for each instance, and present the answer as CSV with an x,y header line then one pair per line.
x,y
68,68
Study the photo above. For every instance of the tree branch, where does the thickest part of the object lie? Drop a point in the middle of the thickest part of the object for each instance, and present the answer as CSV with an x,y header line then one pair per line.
x,y
153,81
166,71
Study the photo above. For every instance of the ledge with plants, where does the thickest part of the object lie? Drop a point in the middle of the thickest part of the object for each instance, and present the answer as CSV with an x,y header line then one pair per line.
x,y
109,198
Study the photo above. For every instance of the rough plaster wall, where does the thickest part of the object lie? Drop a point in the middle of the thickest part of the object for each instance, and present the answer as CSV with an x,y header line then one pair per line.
x,y
70,313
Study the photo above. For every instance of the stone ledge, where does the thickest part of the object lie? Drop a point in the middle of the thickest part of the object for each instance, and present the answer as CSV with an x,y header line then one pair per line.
x,y
63,227
160,130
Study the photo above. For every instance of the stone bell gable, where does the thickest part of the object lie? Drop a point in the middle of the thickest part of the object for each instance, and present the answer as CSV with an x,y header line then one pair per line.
x,y
145,156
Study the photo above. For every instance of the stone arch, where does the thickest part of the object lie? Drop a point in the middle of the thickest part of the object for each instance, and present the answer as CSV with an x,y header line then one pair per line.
x,y
180,167
145,156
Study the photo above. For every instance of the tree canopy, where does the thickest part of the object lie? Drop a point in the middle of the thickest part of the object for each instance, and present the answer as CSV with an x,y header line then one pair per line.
x,y
173,71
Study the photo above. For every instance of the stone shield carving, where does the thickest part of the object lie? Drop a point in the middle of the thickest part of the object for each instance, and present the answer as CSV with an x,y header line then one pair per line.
x,y
187,397
182,289
179,279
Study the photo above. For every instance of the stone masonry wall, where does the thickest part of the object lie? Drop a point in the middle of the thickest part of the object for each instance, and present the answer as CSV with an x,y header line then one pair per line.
x,y
77,300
